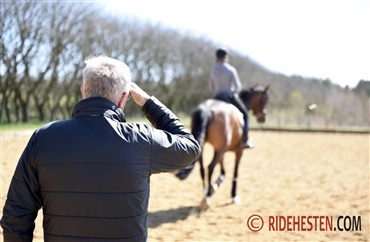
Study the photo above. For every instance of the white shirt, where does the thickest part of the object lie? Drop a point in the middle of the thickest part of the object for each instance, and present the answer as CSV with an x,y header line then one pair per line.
x,y
224,79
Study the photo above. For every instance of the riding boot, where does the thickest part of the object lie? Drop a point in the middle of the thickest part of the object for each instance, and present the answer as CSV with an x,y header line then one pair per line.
x,y
247,142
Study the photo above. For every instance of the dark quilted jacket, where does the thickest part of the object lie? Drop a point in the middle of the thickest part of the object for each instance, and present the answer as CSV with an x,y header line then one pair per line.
x,y
90,174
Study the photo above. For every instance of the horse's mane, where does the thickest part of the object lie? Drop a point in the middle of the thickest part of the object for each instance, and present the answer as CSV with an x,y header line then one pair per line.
x,y
257,88
246,94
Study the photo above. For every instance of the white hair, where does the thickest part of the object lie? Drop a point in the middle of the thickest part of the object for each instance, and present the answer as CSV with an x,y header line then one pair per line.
x,y
105,77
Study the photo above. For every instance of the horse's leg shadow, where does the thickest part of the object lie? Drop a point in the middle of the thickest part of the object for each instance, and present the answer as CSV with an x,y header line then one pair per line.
x,y
157,218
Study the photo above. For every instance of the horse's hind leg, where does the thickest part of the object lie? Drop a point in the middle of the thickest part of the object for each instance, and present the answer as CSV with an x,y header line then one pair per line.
x,y
202,174
216,158
238,157
220,179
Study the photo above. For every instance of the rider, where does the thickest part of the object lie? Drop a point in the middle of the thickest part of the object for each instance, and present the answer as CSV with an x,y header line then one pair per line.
x,y
226,85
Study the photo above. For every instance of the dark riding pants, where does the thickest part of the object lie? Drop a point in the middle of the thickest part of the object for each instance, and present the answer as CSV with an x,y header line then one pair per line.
x,y
235,100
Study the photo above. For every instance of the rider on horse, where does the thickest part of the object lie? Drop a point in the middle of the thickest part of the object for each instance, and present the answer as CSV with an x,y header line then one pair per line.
x,y
226,85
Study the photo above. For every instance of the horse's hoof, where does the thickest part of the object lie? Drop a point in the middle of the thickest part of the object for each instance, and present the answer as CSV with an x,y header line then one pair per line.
x,y
237,200
204,205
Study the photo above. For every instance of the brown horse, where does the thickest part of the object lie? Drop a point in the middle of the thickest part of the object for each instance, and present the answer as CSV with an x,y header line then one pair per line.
x,y
221,125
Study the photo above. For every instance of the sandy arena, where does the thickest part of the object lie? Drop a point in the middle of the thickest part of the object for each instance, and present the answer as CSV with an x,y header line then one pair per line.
x,y
287,174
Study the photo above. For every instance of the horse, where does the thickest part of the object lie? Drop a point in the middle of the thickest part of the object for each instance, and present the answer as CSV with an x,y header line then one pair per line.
x,y
221,124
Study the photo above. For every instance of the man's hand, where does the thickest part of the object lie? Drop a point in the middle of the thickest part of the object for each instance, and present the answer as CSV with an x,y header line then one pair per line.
x,y
139,95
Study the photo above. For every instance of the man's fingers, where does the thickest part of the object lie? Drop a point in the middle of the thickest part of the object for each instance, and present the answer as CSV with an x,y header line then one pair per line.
x,y
138,94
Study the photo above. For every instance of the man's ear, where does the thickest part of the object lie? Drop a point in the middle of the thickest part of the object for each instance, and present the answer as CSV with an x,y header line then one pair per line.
x,y
121,102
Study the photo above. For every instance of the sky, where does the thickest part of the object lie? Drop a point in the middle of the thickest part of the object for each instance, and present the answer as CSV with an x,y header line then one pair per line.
x,y
326,39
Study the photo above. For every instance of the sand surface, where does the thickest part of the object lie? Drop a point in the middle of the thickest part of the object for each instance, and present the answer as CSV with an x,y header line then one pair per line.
x,y
287,174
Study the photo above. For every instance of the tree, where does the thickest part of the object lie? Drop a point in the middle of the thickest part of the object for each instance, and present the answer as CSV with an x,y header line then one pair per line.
x,y
44,45
21,43
363,87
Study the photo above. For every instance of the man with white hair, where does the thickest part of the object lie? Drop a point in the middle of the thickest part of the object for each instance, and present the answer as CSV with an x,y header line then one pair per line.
x,y
91,174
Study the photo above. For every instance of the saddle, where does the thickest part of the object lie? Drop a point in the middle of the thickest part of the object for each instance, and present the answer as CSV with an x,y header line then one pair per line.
x,y
227,97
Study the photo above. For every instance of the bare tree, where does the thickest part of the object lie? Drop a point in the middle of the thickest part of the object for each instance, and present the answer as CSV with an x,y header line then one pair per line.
x,y
44,45
65,22
22,41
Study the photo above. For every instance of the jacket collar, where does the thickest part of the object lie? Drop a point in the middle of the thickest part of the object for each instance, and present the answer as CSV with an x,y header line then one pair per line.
x,y
98,106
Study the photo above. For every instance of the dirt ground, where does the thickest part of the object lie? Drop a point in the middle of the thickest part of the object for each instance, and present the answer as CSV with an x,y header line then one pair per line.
x,y
287,174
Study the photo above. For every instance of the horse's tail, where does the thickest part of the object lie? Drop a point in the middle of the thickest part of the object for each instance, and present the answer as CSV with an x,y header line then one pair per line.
x,y
199,123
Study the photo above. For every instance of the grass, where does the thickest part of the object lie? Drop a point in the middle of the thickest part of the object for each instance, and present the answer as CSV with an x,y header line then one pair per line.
x,y
186,120
20,126
359,130
35,125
